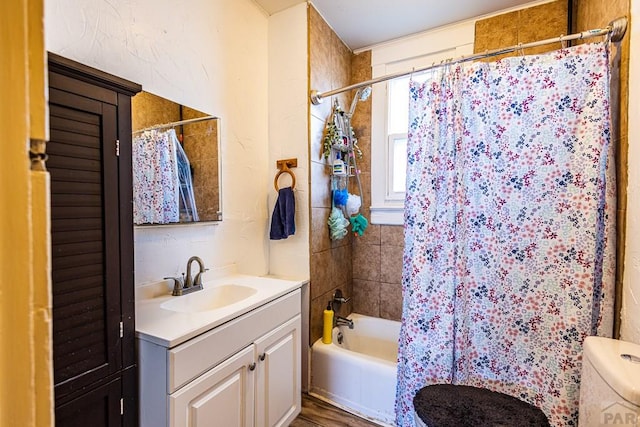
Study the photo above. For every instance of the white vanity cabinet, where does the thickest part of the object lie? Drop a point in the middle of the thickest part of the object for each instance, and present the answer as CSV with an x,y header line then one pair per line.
x,y
245,372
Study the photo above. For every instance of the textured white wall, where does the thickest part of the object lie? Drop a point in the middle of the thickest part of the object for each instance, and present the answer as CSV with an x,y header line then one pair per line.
x,y
630,328
211,55
288,132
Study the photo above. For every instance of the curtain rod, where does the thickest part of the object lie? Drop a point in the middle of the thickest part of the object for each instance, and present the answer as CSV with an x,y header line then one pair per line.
x,y
179,123
616,30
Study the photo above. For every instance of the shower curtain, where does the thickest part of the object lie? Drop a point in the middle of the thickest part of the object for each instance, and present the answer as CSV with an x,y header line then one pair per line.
x,y
509,228
162,184
156,191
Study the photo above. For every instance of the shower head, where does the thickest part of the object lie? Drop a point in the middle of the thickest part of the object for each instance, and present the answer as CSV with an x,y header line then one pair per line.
x,y
365,93
361,95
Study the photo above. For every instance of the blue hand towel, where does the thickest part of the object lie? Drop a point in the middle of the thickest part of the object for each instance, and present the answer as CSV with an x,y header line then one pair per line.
x,y
283,220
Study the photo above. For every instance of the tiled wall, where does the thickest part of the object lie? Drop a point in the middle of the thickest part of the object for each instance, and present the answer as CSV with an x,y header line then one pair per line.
x,y
523,26
590,14
367,268
148,110
201,144
330,67
377,254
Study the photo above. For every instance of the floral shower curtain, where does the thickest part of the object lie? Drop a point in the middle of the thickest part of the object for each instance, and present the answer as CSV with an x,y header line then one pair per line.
x,y
509,228
156,191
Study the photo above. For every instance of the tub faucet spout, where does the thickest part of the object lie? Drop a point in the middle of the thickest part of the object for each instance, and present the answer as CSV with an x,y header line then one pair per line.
x,y
343,321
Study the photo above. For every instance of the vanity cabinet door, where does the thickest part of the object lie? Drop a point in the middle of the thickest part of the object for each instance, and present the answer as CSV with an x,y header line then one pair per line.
x,y
224,396
278,375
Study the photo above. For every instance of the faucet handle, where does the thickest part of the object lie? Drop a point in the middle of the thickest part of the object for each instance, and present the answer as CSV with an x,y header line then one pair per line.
x,y
337,297
177,284
198,279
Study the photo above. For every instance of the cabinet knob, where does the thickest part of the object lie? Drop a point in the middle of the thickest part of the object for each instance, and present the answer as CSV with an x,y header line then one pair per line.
x,y
262,356
252,366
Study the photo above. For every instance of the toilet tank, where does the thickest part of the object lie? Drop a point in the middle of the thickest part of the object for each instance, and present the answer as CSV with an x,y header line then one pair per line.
x,y
610,383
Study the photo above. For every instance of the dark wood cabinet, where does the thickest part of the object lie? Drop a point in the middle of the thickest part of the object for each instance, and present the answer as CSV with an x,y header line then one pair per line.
x,y
92,245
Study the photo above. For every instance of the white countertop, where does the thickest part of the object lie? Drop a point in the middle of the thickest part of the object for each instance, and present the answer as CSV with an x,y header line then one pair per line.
x,y
169,328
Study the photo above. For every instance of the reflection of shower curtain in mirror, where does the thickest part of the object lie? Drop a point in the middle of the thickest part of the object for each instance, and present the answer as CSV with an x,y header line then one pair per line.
x,y
162,186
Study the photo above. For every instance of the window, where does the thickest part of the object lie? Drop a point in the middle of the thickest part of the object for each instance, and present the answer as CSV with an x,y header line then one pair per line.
x,y
397,121
390,110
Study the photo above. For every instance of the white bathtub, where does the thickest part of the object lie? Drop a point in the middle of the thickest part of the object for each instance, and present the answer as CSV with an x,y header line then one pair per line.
x,y
359,375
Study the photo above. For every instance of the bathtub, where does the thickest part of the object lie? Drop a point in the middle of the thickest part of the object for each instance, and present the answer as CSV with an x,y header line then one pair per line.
x,y
359,375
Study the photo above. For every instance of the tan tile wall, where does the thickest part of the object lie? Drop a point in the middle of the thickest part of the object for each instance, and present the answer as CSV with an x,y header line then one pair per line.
x,y
330,68
590,14
523,26
377,255
367,268
201,144
149,110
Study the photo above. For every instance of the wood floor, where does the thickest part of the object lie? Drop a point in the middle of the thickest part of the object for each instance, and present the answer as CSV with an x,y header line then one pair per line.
x,y
316,413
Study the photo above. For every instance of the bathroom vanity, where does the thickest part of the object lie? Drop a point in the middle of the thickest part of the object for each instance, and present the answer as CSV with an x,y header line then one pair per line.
x,y
228,355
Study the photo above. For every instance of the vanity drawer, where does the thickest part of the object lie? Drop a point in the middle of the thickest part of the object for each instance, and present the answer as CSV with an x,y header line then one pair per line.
x,y
194,357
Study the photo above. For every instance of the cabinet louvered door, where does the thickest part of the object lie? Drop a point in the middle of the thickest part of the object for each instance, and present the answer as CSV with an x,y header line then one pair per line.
x,y
85,242
97,408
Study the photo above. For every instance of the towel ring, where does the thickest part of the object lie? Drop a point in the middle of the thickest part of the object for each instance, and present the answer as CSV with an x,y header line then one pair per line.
x,y
283,166
285,170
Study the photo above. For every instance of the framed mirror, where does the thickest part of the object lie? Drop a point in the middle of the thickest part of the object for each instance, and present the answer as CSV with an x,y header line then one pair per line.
x,y
176,163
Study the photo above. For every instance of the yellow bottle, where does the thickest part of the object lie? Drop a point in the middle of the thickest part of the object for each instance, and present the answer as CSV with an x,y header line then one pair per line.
x,y
327,329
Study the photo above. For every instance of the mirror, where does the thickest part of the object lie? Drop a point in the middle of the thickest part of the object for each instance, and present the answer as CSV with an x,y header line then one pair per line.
x,y
197,185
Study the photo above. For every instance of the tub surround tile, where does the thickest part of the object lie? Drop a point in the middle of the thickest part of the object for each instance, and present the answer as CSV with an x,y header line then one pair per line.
x,y
364,166
543,22
366,262
366,297
315,323
496,32
391,301
371,236
320,58
522,26
392,235
320,230
365,177
316,134
345,241
320,273
391,264
342,269
320,191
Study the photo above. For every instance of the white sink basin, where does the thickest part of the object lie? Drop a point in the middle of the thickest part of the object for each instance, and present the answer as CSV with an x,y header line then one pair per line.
x,y
209,299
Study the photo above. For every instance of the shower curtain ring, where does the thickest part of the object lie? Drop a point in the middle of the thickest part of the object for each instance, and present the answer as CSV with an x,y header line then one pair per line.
x,y
563,42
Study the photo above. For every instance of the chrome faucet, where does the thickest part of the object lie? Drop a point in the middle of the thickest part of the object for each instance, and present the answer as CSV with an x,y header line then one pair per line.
x,y
343,321
182,286
338,300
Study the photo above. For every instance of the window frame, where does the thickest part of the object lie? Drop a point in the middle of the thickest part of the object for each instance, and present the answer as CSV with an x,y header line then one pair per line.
x,y
404,55
391,194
